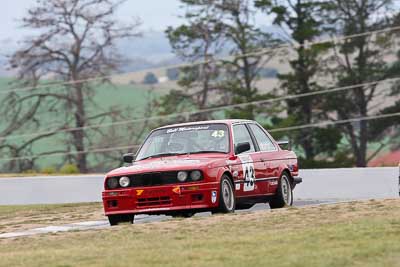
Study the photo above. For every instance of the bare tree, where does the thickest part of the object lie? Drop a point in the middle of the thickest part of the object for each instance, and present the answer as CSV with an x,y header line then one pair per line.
x,y
75,41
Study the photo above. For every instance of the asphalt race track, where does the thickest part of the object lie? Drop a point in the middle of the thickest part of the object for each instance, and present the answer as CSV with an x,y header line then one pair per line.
x,y
319,187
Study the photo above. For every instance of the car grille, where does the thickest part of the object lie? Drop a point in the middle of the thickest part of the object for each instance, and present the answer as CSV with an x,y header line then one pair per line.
x,y
153,201
153,179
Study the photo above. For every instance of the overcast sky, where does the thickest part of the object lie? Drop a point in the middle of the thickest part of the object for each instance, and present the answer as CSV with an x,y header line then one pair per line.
x,y
155,14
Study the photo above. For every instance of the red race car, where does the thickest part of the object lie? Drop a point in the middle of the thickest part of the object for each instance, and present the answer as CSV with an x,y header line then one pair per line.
x,y
216,166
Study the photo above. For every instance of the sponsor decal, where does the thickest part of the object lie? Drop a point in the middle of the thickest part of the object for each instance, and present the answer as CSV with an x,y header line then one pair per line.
x,y
248,173
176,190
237,186
213,196
235,174
273,182
179,161
139,192
185,129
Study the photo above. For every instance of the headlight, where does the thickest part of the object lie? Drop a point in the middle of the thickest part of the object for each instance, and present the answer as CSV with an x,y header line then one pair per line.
x,y
124,181
112,183
182,176
195,175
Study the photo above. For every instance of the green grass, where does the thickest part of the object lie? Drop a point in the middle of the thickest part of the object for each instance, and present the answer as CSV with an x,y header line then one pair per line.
x,y
355,234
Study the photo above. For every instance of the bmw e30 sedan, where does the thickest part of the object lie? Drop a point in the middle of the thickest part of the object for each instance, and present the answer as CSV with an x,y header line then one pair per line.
x,y
216,166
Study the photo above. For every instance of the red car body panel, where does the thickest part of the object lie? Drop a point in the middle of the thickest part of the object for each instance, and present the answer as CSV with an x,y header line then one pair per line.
x,y
204,194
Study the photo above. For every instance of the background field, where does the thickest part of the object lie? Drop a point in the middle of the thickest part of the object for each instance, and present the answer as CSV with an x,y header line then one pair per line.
x,y
122,96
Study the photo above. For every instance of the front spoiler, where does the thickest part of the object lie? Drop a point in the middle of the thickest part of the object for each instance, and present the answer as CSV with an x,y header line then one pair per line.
x,y
148,200
297,180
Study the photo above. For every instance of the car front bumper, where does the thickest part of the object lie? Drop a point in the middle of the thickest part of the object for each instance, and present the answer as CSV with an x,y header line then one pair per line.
x,y
161,199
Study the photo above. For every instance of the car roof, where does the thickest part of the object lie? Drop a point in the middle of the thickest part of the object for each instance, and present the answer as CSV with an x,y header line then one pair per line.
x,y
227,122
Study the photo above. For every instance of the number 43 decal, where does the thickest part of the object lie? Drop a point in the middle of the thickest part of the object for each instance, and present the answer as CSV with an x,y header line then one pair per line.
x,y
218,134
248,173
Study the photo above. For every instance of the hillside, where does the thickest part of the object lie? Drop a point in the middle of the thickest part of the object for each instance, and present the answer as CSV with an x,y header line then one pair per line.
x,y
107,96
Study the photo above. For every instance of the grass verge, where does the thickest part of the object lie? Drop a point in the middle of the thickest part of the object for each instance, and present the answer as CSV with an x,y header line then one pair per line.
x,y
349,234
18,218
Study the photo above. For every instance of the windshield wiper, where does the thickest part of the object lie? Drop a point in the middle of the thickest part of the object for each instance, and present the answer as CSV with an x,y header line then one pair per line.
x,y
205,151
162,155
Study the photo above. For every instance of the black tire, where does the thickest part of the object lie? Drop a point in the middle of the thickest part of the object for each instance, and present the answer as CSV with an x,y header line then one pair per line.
x,y
227,201
116,219
284,193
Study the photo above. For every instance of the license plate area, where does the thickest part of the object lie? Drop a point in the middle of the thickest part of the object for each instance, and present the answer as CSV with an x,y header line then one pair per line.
x,y
153,201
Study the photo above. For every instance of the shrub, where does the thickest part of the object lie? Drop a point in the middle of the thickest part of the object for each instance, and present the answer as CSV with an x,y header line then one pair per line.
x,y
69,169
30,171
173,74
150,78
48,170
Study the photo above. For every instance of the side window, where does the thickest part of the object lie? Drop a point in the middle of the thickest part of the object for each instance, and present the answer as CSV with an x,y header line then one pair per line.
x,y
241,135
264,142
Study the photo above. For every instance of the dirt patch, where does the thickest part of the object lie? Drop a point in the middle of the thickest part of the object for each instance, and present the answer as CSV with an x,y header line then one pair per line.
x,y
19,218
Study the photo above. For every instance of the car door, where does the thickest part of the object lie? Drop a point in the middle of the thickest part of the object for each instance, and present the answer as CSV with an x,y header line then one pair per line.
x,y
268,155
250,167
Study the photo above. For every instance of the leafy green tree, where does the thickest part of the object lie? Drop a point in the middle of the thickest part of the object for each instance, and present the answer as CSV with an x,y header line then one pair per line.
x,y
356,61
173,74
306,21
242,72
388,127
199,38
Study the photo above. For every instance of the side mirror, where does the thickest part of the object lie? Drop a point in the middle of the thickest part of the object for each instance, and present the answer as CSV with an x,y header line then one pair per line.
x,y
285,145
242,147
128,158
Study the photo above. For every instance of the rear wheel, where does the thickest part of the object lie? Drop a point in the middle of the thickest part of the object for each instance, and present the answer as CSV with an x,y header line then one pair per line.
x,y
284,194
227,201
120,218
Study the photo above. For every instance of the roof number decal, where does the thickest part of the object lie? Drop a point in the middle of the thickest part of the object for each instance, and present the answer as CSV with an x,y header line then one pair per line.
x,y
218,133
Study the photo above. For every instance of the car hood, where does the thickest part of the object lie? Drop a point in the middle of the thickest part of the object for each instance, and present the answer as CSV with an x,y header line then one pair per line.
x,y
166,164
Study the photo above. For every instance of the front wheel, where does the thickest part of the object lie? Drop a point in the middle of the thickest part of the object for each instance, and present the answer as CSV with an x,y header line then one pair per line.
x,y
284,194
119,218
227,201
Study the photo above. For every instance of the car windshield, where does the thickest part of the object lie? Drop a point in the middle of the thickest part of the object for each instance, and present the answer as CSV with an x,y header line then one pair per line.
x,y
207,138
